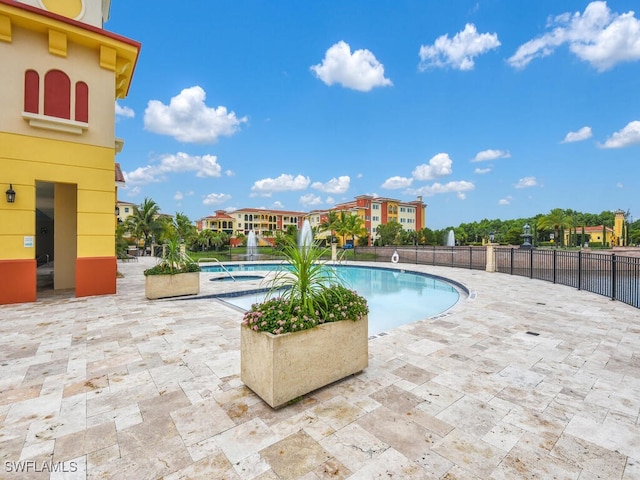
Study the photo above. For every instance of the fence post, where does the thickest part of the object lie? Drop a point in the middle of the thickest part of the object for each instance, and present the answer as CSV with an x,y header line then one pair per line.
x,y
554,264
579,269
491,258
613,276
531,263
470,258
511,269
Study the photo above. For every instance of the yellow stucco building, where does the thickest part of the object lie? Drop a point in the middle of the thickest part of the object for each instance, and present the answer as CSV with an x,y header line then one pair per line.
x,y
61,75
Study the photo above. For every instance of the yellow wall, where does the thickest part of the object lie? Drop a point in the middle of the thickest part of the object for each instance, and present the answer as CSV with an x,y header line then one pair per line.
x,y
90,168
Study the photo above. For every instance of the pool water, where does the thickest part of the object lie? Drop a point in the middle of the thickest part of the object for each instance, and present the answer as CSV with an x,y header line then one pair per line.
x,y
395,297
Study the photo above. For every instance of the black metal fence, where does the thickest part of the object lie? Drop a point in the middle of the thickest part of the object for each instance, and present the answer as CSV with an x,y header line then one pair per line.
x,y
614,276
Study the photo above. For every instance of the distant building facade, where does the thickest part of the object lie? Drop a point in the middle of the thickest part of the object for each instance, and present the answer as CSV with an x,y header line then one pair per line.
x,y
376,211
263,222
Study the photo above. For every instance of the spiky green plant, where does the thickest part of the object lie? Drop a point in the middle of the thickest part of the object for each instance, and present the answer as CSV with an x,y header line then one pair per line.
x,y
304,281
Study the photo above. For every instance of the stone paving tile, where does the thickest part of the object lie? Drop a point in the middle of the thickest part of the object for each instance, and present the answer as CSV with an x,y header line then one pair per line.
x,y
126,388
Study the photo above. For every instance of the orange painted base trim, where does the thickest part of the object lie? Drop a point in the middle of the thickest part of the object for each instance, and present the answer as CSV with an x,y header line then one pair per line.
x,y
17,281
95,276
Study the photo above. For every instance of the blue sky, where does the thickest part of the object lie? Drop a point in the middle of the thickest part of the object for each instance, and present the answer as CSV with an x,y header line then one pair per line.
x,y
488,109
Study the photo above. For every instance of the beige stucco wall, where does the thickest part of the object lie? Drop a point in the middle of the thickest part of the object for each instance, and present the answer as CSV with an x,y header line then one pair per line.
x,y
31,51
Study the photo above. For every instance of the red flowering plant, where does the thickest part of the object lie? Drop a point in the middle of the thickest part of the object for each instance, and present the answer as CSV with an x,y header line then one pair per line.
x,y
304,294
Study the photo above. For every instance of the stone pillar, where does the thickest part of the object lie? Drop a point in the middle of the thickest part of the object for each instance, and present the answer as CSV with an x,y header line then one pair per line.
x,y
334,252
491,258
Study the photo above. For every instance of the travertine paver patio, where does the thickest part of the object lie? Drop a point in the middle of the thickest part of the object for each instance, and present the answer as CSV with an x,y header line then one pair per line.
x,y
125,388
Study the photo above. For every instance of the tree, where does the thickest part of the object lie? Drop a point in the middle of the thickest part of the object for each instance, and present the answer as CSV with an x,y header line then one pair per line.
x,y
330,224
353,226
184,227
387,234
144,223
204,239
557,219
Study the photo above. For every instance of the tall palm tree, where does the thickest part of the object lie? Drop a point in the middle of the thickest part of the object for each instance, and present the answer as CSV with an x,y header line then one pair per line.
x,y
144,223
353,225
331,223
556,219
183,227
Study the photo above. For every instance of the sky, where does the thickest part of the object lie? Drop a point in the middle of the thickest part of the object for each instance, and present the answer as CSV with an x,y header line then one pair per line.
x,y
487,109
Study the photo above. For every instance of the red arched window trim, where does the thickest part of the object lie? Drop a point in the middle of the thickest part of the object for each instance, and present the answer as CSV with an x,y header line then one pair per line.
x,y
57,94
31,91
82,102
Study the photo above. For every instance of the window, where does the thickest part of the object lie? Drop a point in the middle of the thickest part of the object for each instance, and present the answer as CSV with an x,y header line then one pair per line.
x,y
57,94
82,102
31,91
126,209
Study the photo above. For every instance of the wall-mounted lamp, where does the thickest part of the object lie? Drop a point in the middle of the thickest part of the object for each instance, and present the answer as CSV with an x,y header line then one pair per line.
x,y
117,210
11,194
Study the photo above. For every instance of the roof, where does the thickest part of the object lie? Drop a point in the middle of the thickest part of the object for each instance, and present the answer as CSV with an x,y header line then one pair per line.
x,y
119,174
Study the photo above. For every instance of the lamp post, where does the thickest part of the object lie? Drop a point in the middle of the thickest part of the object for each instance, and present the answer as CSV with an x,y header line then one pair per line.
x,y
527,237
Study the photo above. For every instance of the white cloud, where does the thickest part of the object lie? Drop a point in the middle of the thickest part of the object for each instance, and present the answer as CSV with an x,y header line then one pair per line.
x,y
437,188
330,200
284,183
359,70
277,205
439,166
582,134
204,166
505,201
490,154
481,171
394,183
335,185
179,196
619,185
216,199
458,52
188,119
310,200
629,135
124,111
526,182
597,36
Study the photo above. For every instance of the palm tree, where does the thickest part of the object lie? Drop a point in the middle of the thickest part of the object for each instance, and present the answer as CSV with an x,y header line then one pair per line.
x,y
144,223
204,238
353,225
183,227
331,223
556,219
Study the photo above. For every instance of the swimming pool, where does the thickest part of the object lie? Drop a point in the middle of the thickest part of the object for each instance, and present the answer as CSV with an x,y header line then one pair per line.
x,y
395,297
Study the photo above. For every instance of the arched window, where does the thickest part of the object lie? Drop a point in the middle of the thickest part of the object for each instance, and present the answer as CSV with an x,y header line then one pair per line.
x,y
31,91
82,102
57,94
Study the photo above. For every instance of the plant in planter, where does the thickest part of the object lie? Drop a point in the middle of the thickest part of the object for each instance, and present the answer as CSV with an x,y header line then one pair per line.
x,y
174,275
309,332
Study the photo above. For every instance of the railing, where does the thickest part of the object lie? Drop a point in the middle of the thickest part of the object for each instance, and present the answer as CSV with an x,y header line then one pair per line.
x,y
609,274
614,276
213,259
462,257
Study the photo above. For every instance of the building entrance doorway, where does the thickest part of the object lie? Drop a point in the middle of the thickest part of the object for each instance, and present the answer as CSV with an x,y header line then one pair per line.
x,y
56,236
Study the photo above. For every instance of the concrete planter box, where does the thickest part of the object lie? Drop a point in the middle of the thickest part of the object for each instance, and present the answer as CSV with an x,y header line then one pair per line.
x,y
280,368
164,286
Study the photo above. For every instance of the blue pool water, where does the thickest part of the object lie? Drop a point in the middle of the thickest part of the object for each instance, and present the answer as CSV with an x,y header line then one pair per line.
x,y
395,297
